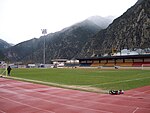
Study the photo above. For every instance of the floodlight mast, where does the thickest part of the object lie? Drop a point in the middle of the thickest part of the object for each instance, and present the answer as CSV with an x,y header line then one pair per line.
x,y
44,32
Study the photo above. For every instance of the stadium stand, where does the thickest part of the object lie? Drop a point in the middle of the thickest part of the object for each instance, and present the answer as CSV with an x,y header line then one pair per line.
x,y
85,65
137,64
128,64
109,64
111,61
95,64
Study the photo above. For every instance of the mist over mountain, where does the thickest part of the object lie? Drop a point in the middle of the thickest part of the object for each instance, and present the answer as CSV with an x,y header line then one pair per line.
x,y
101,21
66,43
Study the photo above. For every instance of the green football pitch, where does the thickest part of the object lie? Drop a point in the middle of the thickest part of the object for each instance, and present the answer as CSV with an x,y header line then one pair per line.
x,y
91,78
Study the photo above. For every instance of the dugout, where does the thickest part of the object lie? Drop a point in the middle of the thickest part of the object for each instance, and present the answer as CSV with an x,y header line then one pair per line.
x,y
111,61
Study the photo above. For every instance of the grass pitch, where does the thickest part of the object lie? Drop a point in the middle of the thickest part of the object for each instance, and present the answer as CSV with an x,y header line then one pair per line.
x,y
95,78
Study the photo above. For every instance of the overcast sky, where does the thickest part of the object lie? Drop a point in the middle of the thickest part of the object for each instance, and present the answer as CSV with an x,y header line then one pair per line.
x,y
22,20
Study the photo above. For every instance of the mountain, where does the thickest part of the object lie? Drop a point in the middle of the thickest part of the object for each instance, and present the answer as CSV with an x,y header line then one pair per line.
x,y
3,45
66,43
130,31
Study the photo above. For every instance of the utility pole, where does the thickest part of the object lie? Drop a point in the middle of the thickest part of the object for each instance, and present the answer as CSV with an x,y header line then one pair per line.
x,y
44,32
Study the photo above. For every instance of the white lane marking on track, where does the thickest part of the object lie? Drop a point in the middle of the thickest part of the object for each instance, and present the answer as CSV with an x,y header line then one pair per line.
x,y
135,110
2,111
26,105
133,96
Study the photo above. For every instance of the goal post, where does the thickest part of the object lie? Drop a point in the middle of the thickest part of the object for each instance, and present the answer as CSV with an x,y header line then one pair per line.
x,y
145,66
3,69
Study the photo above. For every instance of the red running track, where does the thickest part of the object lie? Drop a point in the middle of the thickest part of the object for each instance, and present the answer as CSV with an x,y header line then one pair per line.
x,y
23,97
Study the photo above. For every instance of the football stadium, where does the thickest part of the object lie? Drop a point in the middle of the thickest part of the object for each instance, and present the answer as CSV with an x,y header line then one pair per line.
x,y
98,65
95,85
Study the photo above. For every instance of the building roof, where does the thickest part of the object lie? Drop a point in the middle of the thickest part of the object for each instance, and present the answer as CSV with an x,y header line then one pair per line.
x,y
118,57
59,60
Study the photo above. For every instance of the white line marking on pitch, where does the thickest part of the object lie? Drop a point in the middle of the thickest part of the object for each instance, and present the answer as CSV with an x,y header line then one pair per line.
x,y
120,81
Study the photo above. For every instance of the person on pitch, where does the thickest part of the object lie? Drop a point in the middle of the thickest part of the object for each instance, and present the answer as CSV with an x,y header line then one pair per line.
x,y
8,70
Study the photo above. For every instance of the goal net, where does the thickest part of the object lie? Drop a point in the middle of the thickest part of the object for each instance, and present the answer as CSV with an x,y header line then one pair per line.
x,y
3,69
145,66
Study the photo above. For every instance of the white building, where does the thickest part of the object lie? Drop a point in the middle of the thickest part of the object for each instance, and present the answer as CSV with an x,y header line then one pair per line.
x,y
125,52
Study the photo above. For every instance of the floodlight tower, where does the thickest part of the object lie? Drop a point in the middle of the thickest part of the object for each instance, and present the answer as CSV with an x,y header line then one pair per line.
x,y
44,32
